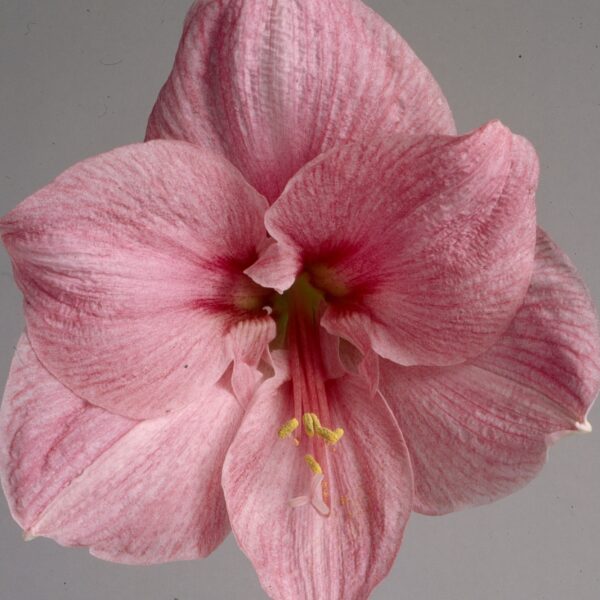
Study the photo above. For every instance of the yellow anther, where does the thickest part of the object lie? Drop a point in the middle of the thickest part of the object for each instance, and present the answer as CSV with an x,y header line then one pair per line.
x,y
311,423
331,437
315,467
288,428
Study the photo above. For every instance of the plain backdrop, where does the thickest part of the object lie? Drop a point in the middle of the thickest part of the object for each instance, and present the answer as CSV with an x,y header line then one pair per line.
x,y
79,77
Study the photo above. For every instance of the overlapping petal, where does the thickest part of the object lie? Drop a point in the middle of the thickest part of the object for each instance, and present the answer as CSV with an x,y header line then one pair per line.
x,y
134,492
131,264
249,341
271,84
479,431
297,552
424,247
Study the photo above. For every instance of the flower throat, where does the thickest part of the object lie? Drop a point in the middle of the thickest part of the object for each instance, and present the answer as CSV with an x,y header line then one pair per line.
x,y
298,312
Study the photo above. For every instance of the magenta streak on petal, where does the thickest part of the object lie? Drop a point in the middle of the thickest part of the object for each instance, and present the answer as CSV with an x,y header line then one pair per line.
x,y
131,264
424,246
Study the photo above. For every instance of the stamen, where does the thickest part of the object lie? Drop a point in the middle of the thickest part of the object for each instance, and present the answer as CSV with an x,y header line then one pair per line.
x,y
311,421
312,425
331,437
315,467
288,428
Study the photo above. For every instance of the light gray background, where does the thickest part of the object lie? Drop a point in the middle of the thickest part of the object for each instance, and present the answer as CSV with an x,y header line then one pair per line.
x,y
78,77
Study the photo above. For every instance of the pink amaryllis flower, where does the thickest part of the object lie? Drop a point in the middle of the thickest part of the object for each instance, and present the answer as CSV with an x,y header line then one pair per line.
x,y
310,310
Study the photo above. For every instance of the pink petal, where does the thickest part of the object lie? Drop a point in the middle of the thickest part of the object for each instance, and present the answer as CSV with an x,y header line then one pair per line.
x,y
48,436
249,341
271,85
131,264
297,552
479,431
134,492
276,267
333,367
424,247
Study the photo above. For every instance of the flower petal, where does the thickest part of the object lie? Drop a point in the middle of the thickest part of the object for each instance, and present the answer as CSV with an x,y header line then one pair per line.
x,y
271,85
47,436
135,492
131,264
479,431
423,247
276,267
249,341
297,552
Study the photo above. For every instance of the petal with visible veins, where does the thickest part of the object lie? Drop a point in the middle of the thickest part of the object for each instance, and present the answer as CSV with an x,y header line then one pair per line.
x,y
272,84
134,492
249,341
480,431
297,552
424,247
131,264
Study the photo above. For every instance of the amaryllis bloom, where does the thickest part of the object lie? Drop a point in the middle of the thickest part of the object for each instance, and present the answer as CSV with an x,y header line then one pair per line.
x,y
304,308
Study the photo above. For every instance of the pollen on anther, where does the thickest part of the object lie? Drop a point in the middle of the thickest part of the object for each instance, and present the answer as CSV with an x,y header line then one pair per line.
x,y
288,428
311,422
314,466
331,437
313,426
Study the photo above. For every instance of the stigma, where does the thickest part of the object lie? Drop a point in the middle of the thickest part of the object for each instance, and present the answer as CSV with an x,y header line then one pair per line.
x,y
318,438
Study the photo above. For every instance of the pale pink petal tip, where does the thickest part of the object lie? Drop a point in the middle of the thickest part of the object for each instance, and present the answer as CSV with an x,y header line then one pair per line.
x,y
480,431
277,267
584,427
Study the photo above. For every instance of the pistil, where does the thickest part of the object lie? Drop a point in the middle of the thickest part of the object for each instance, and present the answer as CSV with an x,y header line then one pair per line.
x,y
304,345
300,310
